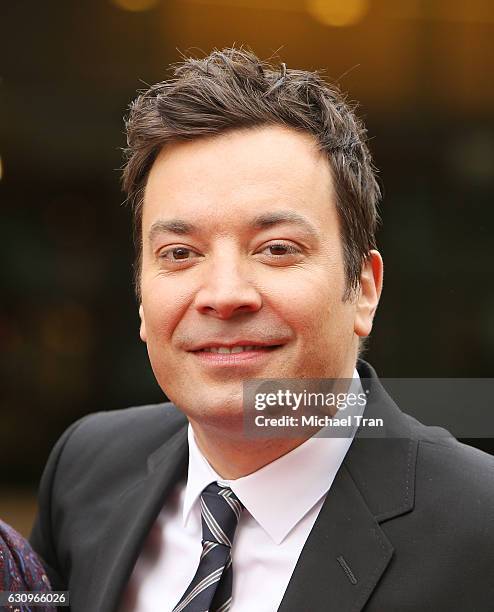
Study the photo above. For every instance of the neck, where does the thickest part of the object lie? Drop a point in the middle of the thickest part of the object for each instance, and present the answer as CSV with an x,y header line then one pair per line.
x,y
233,457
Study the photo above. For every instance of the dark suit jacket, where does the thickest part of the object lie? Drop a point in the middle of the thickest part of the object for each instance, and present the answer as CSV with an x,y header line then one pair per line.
x,y
408,523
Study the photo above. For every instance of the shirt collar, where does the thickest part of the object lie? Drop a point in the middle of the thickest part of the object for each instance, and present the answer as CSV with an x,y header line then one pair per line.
x,y
281,493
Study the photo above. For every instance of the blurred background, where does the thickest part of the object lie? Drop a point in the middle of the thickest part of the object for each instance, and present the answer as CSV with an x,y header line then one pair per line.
x,y
422,72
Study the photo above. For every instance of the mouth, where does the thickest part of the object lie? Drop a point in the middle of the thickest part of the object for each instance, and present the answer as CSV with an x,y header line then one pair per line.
x,y
242,353
234,350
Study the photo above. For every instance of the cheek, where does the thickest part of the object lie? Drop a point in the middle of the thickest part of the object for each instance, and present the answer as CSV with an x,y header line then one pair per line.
x,y
312,297
163,307
318,314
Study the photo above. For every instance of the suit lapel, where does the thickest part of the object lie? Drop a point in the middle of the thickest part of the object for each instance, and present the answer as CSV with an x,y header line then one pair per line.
x,y
347,552
343,558
127,527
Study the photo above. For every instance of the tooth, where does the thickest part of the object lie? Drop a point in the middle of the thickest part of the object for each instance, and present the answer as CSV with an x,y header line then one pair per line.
x,y
226,351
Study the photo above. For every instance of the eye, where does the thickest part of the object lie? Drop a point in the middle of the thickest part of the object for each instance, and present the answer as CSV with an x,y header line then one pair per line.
x,y
178,254
280,249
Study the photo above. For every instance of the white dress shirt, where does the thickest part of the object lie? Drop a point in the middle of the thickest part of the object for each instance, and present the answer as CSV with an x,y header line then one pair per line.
x,y
282,501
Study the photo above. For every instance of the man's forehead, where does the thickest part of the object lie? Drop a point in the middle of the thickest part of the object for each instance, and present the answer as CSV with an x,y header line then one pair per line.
x,y
269,158
277,178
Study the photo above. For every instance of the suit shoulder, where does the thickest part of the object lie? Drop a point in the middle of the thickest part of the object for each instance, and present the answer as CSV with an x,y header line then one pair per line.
x,y
139,429
459,461
162,416
448,471
438,447
454,480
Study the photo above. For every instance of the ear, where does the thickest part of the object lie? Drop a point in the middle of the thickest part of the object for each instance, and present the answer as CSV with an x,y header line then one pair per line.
x,y
142,329
371,282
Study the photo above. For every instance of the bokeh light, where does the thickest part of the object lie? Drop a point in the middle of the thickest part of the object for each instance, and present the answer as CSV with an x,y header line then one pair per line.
x,y
337,13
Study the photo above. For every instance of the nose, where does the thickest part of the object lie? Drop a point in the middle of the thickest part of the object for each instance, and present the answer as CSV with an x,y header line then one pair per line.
x,y
226,290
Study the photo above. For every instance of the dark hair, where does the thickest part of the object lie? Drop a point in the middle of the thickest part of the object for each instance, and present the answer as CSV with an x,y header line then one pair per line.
x,y
233,89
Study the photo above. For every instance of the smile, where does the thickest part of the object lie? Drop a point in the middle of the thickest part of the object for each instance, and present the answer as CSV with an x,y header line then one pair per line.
x,y
241,356
225,350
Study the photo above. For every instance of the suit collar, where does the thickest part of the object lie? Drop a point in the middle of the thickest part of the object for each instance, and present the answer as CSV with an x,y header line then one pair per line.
x,y
383,468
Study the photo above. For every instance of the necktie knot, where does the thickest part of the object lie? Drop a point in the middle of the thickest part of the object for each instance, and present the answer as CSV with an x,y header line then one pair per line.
x,y
220,512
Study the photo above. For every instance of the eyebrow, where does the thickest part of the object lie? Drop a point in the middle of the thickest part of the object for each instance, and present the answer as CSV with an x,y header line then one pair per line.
x,y
173,226
263,221
267,220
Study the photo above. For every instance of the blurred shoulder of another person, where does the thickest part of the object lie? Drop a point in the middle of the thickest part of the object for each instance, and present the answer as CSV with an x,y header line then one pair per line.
x,y
20,567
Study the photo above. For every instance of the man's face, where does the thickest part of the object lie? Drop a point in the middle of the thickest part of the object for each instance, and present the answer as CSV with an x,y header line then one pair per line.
x,y
242,248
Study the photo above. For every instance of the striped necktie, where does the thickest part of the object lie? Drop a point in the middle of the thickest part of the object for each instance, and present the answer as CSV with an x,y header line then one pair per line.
x,y
211,587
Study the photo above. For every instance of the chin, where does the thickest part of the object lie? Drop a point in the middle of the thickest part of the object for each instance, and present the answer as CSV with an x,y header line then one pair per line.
x,y
208,404
227,421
